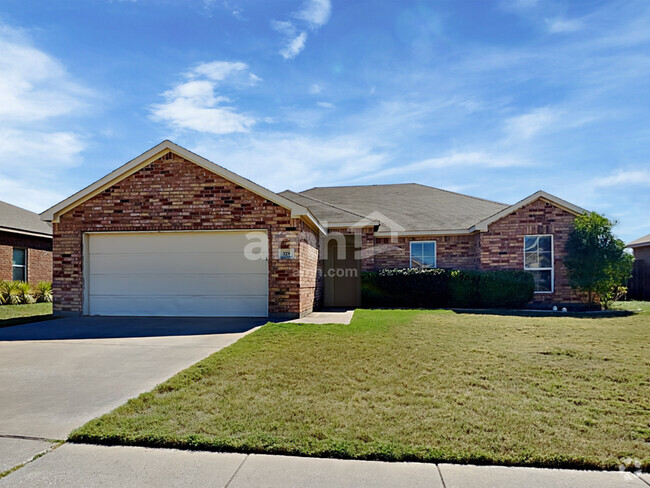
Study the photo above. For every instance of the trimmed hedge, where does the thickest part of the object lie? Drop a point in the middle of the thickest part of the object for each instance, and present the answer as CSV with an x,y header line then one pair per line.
x,y
440,288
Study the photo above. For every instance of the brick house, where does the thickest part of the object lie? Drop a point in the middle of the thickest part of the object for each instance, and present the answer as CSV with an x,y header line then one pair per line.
x,y
639,286
25,245
171,233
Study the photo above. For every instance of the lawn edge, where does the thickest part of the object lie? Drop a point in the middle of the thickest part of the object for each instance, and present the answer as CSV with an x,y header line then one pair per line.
x,y
192,443
26,320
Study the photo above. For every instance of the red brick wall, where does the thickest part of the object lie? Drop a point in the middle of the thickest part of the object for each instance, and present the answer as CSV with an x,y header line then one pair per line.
x,y
174,194
501,247
458,251
310,278
39,256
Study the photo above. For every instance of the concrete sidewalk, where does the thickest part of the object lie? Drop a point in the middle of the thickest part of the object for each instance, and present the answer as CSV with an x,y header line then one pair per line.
x,y
327,316
74,465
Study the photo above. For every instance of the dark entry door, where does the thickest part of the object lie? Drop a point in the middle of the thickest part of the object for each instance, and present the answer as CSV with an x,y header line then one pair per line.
x,y
342,274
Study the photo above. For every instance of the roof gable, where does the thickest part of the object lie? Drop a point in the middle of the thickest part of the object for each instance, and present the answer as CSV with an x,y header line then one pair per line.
x,y
53,213
569,207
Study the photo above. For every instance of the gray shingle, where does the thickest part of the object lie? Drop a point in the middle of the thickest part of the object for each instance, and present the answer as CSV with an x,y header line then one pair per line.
x,y
413,206
641,241
21,220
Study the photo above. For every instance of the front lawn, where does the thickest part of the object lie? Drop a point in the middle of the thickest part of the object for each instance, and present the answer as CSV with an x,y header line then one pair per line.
x,y
411,385
20,314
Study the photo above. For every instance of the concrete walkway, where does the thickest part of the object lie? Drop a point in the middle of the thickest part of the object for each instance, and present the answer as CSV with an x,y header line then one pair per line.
x,y
73,465
342,316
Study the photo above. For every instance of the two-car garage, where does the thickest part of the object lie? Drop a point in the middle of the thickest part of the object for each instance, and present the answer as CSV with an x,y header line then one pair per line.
x,y
202,273
172,234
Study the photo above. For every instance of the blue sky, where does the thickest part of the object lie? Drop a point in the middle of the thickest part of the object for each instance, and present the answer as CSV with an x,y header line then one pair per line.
x,y
495,99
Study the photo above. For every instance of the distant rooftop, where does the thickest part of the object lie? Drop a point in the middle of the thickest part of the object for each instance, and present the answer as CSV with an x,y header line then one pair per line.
x,y
641,241
16,219
412,206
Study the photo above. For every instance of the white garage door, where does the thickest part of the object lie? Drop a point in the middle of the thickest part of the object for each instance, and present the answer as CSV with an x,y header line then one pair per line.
x,y
177,274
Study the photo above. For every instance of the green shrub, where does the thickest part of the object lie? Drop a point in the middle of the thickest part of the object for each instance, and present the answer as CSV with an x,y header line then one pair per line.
x,y
19,292
411,287
371,295
25,292
440,288
43,292
505,289
464,289
11,292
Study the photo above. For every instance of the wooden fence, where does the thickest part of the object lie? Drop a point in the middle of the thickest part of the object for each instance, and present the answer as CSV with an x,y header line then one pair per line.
x,y
639,286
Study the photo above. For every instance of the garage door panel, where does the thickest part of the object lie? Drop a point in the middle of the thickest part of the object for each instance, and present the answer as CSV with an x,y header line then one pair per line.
x,y
176,274
171,306
178,263
145,243
173,284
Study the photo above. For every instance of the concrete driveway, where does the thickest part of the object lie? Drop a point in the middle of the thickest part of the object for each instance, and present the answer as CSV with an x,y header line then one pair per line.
x,y
56,375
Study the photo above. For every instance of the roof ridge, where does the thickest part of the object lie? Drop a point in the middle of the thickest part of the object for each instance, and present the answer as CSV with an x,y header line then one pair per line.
x,y
328,204
404,184
464,195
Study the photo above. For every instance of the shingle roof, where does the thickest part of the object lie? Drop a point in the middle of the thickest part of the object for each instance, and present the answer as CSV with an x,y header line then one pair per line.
x,y
16,219
412,206
325,212
641,241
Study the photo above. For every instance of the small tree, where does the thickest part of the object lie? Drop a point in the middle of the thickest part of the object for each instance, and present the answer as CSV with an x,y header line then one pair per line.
x,y
596,261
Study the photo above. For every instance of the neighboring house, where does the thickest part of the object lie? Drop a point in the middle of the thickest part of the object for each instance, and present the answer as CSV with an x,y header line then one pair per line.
x,y
171,233
25,245
641,248
639,287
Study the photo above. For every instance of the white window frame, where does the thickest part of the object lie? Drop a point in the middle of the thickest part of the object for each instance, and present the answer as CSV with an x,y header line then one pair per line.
x,y
24,266
551,269
435,253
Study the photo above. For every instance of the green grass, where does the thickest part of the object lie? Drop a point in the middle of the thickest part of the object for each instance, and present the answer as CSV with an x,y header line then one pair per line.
x,y
20,314
411,385
632,305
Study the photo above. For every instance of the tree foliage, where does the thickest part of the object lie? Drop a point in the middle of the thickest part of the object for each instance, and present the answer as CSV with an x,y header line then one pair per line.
x,y
597,264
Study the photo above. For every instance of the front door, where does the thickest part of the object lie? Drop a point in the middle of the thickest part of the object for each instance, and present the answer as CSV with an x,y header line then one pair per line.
x,y
342,273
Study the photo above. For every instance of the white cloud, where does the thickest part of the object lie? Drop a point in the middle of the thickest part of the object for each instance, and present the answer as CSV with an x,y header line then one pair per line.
x,y
283,160
315,89
295,45
36,92
33,85
325,104
312,15
527,125
563,25
624,178
466,159
44,150
315,12
218,70
34,195
195,104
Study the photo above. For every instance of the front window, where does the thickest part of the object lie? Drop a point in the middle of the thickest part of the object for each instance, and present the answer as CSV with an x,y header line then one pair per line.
x,y
538,259
19,264
423,254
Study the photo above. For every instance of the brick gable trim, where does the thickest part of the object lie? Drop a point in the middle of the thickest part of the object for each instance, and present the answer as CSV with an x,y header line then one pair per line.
x,y
164,149
539,195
